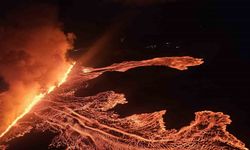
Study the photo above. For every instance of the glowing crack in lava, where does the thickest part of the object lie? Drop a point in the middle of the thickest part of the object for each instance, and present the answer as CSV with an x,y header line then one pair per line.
x,y
90,123
35,100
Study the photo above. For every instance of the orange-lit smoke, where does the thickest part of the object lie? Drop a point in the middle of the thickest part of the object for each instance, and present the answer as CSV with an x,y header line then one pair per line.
x,y
32,57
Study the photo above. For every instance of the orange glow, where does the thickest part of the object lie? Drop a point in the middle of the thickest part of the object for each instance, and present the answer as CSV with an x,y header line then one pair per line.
x,y
85,70
66,75
37,99
90,122
51,88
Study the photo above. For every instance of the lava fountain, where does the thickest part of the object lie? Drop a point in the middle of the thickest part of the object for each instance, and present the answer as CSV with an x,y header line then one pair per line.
x,y
32,60
35,100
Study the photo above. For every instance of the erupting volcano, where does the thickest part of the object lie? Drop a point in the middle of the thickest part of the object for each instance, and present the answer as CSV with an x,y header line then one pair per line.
x,y
35,100
90,123
146,75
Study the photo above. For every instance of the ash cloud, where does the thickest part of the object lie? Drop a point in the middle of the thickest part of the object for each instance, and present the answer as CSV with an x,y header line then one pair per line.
x,y
32,56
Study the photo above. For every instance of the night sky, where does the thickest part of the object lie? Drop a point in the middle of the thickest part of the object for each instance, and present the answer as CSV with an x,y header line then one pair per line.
x,y
216,30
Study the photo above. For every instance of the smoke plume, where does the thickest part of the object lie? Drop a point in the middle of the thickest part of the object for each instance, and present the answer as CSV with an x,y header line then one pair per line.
x,y
32,57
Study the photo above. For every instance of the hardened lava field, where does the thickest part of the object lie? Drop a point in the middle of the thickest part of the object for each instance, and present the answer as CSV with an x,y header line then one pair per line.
x,y
89,122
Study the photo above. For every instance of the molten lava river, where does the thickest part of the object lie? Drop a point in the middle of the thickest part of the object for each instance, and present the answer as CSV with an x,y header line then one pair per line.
x,y
89,122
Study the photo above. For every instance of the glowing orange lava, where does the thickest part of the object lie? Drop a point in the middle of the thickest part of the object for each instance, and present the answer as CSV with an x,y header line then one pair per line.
x,y
89,122
36,99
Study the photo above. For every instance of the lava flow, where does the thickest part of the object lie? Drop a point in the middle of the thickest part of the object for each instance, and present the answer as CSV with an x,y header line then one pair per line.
x,y
35,100
89,122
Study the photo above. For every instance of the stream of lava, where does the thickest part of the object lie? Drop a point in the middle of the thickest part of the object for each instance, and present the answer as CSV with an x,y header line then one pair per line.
x,y
36,99
89,122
